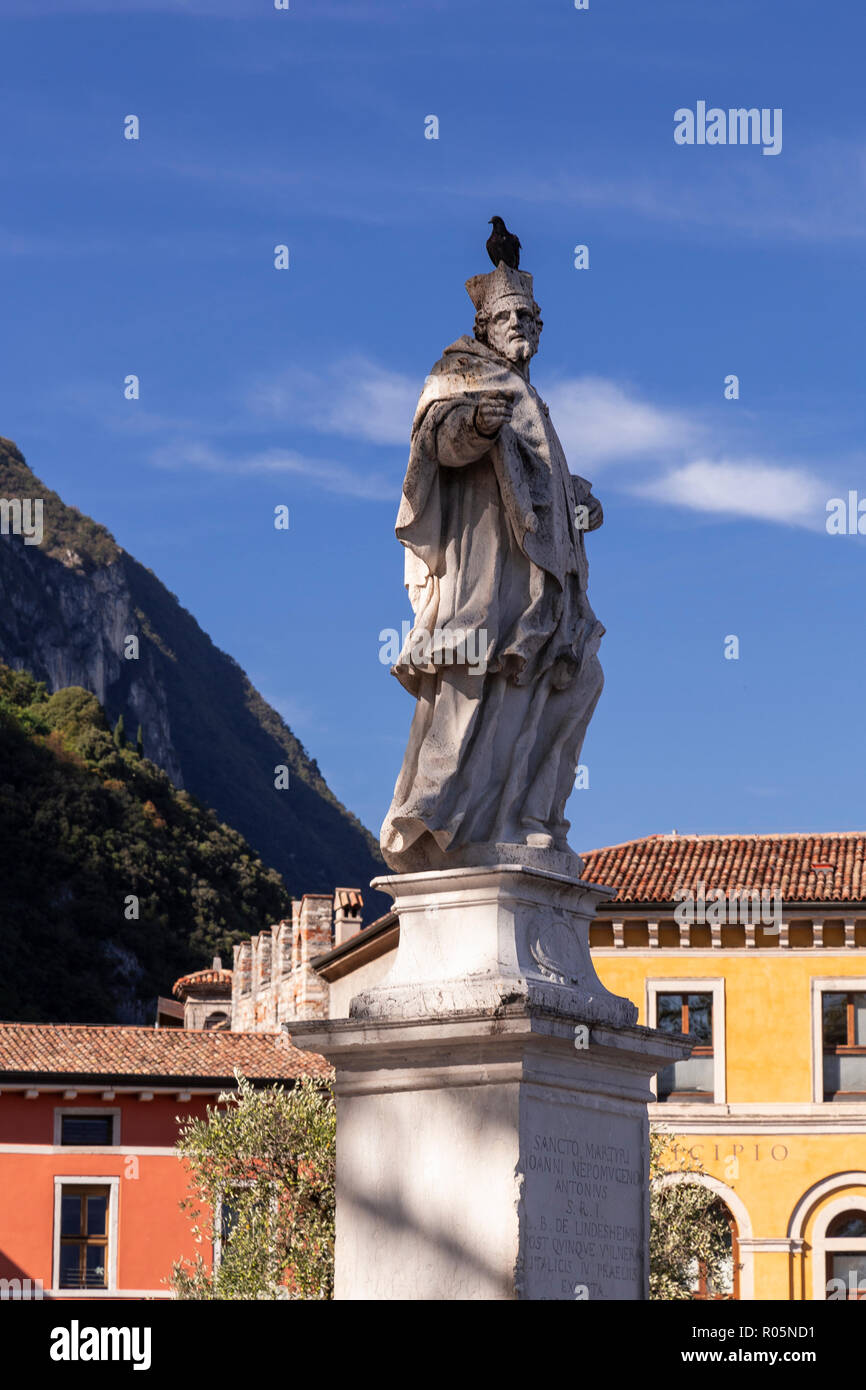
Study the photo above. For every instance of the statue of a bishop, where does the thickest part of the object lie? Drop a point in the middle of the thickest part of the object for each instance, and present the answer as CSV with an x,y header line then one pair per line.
x,y
502,656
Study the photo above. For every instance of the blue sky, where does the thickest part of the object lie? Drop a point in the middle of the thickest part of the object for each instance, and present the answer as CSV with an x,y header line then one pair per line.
x,y
262,387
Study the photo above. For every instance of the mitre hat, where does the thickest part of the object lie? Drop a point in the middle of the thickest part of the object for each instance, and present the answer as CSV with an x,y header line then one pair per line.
x,y
501,283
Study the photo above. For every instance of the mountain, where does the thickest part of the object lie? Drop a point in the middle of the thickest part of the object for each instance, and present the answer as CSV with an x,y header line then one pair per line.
x,y
68,607
112,882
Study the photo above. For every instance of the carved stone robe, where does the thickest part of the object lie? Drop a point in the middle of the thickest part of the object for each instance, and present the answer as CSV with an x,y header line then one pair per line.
x,y
492,547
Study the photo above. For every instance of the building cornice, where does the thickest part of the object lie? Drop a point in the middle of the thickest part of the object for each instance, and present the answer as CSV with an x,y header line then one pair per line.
x,y
746,1117
371,943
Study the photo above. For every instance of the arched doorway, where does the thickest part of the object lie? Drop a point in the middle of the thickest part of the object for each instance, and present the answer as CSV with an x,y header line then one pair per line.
x,y
742,1273
727,1286
840,1216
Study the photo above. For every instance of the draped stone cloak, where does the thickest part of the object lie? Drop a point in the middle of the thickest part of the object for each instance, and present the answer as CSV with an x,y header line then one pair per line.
x,y
502,653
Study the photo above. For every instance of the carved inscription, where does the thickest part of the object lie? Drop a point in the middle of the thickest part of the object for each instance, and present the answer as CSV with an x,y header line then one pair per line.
x,y
583,1232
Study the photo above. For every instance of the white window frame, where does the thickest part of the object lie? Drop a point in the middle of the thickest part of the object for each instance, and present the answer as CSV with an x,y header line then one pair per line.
x,y
62,1180
679,984
827,984
218,1219
824,1245
80,1111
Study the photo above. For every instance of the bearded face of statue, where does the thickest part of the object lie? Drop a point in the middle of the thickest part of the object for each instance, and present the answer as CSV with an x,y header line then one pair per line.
x,y
513,331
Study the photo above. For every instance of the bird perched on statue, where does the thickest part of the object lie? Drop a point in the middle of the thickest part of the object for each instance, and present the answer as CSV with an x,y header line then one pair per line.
x,y
503,245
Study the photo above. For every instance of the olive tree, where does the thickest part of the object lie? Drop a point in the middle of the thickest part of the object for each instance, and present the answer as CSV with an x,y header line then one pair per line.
x,y
262,1169
689,1231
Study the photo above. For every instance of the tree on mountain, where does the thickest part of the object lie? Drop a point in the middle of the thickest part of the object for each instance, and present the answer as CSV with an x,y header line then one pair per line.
x,y
120,732
139,742
84,826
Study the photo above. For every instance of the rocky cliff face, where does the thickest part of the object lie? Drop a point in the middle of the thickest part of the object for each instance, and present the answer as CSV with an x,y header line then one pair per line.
x,y
68,607
69,627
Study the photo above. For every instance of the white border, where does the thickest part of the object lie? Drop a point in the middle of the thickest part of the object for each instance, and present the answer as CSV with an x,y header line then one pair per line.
x,y
116,1150
84,1112
840,984
740,1213
804,1209
62,1180
821,1246
694,984
119,1295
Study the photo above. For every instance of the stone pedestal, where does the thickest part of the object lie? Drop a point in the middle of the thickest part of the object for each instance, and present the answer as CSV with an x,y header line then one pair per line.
x,y
492,1134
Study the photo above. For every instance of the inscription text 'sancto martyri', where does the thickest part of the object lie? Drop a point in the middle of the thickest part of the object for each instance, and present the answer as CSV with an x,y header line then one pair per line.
x,y
583,1229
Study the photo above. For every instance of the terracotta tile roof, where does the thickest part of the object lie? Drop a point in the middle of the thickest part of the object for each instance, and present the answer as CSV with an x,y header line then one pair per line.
x,y
802,868
201,977
196,1055
349,898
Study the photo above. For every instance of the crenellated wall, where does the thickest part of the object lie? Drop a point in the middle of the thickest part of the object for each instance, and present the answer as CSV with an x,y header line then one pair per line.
x,y
273,981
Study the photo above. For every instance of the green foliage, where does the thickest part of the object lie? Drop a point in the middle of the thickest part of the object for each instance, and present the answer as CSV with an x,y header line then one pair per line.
x,y
69,535
120,732
270,1156
687,1228
224,735
85,826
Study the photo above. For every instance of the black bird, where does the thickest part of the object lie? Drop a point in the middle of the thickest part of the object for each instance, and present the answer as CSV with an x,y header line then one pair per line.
x,y
503,245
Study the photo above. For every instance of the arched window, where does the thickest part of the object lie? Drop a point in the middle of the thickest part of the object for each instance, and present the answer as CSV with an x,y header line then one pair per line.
x,y
845,1247
219,1021
728,1285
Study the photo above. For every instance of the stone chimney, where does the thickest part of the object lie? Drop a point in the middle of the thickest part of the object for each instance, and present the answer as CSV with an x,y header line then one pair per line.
x,y
348,906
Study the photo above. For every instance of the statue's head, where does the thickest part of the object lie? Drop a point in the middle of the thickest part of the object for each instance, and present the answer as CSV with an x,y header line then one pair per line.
x,y
507,317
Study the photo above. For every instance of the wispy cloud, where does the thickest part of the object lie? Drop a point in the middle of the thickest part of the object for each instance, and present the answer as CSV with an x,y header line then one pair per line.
x,y
332,477
817,195
600,421
230,9
667,456
765,491
358,11
355,398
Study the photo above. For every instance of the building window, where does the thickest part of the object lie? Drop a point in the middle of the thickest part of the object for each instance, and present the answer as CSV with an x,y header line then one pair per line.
x,y
845,1247
87,1131
227,1216
84,1216
692,1079
843,1035
219,1021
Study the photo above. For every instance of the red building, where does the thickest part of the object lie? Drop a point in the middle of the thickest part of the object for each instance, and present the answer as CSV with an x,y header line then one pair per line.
x,y
90,1180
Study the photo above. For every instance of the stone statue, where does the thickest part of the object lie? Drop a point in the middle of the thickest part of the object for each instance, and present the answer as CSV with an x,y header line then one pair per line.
x,y
502,656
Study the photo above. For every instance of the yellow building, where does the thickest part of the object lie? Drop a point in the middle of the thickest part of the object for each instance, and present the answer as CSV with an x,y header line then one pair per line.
x,y
772,1102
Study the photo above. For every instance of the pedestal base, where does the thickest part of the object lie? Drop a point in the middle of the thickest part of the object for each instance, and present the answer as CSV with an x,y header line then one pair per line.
x,y
486,936
492,1132
491,1157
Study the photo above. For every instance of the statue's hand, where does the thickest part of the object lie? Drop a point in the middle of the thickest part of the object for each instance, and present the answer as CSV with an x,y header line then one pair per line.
x,y
492,412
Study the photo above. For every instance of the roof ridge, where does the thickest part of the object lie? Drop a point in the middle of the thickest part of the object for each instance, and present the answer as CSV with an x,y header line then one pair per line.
x,y
732,835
